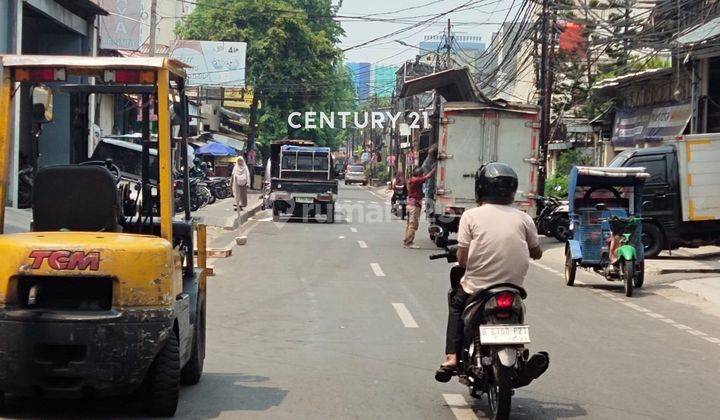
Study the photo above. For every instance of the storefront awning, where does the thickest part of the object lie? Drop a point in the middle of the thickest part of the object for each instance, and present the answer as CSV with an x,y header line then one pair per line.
x,y
634,126
236,144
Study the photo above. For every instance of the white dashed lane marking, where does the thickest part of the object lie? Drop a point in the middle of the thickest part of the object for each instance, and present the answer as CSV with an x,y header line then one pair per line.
x,y
638,308
377,270
362,244
459,407
353,230
405,315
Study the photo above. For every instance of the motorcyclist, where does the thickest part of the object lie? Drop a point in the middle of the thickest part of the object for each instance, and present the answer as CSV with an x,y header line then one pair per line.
x,y
398,183
495,242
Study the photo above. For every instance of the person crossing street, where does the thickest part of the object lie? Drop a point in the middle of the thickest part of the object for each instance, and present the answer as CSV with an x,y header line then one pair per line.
x,y
414,204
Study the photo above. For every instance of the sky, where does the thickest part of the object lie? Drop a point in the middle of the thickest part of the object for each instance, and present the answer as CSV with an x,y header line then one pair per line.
x,y
482,19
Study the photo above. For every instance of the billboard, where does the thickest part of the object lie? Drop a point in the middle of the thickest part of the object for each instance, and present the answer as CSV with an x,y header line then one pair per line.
x,y
212,62
636,125
120,30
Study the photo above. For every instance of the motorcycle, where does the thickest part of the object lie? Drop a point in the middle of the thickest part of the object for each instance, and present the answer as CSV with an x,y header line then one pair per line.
x,y
493,360
219,187
553,219
399,206
198,197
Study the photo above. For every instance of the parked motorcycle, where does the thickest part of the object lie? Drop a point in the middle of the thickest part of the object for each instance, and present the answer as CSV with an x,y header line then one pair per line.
x,y
219,187
199,196
399,207
493,360
553,219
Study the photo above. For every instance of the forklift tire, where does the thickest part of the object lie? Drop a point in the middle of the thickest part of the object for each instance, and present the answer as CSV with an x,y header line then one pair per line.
x,y
164,380
193,369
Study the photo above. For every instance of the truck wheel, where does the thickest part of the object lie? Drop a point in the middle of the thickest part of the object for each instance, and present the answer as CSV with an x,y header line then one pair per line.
x,y
164,380
276,213
192,371
330,213
652,239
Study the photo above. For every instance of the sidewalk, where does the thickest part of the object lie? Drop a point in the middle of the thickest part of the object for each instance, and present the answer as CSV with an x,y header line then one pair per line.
x,y
221,213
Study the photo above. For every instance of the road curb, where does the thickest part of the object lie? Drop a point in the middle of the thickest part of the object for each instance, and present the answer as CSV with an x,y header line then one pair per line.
x,y
234,222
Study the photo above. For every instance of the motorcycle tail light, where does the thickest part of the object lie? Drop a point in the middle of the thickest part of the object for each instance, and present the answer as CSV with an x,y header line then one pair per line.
x,y
504,300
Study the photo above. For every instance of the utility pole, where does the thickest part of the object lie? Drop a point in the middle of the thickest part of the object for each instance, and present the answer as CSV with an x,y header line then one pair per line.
x,y
545,85
153,27
448,46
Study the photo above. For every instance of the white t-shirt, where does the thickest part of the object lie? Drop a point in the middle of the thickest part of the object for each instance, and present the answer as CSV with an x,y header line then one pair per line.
x,y
498,239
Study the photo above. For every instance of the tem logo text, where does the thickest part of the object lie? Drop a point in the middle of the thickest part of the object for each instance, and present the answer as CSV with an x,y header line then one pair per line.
x,y
66,260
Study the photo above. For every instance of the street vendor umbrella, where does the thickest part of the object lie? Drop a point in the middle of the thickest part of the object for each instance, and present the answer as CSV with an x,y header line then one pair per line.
x,y
215,149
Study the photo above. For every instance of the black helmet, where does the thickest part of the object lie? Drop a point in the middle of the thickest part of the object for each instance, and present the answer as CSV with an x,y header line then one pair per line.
x,y
495,183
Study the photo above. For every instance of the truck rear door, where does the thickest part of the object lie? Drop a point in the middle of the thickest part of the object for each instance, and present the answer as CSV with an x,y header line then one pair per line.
x,y
699,172
516,144
461,141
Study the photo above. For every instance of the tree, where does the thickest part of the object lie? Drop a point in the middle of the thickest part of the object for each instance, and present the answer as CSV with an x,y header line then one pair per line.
x,y
292,57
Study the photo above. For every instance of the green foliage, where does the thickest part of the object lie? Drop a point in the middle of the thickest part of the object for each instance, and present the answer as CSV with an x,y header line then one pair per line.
x,y
570,158
379,171
556,185
293,62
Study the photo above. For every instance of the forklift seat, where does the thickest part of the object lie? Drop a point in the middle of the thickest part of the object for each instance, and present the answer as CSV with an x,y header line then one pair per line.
x,y
75,197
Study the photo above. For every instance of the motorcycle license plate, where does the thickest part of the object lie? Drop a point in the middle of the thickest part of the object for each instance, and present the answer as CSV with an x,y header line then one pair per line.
x,y
304,200
504,334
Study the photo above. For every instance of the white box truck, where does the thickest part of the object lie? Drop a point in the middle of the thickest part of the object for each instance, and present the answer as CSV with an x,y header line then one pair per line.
x,y
472,134
681,199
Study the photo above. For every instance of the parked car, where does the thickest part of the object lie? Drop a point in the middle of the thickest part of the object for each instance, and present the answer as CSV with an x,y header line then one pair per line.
x,y
355,174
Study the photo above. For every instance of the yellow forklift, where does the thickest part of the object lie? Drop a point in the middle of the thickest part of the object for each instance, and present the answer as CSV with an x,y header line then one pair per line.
x,y
104,295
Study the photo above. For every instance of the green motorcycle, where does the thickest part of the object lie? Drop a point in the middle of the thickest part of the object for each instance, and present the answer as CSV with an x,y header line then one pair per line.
x,y
626,266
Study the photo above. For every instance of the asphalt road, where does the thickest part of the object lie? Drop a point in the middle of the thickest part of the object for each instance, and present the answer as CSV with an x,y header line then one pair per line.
x,y
319,321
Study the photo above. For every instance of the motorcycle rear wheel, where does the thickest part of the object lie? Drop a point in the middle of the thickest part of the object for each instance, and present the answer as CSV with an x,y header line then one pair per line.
x,y
500,393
